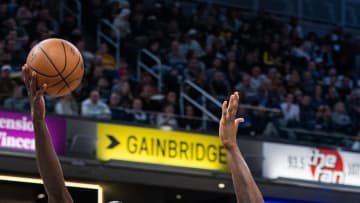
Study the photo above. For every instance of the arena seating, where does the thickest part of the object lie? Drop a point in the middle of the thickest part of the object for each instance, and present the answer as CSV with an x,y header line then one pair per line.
x,y
291,82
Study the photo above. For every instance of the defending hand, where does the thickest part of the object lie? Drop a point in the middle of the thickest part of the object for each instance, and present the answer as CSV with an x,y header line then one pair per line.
x,y
228,124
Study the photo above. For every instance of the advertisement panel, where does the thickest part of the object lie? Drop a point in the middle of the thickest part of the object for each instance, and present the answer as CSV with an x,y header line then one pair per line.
x,y
135,144
17,132
311,164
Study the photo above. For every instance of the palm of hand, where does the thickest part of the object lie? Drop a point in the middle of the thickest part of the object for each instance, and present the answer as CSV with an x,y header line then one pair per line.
x,y
227,132
228,124
36,95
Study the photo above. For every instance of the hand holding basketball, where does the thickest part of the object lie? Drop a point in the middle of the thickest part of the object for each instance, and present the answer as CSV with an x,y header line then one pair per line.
x,y
57,63
36,95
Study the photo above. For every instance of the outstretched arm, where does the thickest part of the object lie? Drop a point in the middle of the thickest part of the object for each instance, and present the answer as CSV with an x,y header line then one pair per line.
x,y
47,161
245,187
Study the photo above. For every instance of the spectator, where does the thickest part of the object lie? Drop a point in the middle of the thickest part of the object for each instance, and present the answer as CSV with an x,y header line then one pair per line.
x,y
171,81
103,87
318,98
290,111
189,121
17,53
341,119
117,113
273,57
23,16
233,74
219,86
171,98
191,43
293,81
125,95
137,114
93,107
7,85
332,96
244,87
175,57
345,86
67,106
307,113
121,22
323,119
17,101
146,93
195,68
107,60
167,118
88,56
114,100
257,78
260,118
308,84
332,78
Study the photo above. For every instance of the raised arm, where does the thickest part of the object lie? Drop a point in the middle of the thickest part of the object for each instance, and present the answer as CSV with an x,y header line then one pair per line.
x,y
245,187
47,161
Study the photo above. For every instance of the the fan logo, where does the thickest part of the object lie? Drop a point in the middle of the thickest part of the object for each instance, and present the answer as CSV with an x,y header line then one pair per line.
x,y
327,166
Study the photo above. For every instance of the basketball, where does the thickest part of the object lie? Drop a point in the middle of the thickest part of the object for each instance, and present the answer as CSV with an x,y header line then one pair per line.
x,y
58,63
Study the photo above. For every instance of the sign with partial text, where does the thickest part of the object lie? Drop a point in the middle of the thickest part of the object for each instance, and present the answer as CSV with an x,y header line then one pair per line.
x,y
311,164
154,146
17,132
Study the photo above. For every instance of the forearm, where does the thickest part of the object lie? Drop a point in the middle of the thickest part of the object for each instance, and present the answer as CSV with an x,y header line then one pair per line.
x,y
245,187
47,161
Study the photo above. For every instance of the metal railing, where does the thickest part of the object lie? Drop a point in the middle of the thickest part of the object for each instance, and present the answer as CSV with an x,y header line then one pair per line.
x,y
157,74
72,7
200,105
107,32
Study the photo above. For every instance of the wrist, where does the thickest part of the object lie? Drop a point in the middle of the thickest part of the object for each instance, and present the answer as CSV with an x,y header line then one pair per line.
x,y
38,121
231,147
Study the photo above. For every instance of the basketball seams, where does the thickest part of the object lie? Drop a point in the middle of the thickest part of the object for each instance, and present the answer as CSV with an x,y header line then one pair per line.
x,y
54,66
72,71
40,73
61,89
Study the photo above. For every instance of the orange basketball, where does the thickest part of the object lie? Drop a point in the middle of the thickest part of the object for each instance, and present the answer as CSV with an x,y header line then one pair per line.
x,y
58,63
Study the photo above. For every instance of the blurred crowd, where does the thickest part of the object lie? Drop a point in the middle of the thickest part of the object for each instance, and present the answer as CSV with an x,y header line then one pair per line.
x,y
310,80
23,24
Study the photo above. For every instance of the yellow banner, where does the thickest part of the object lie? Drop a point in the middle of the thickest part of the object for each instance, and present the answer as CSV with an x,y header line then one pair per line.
x,y
145,145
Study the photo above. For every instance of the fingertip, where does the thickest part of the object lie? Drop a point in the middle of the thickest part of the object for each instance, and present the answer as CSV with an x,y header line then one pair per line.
x,y
224,104
239,120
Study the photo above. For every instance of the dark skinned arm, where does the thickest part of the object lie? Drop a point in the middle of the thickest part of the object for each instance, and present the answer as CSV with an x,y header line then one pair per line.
x,y
245,186
47,160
